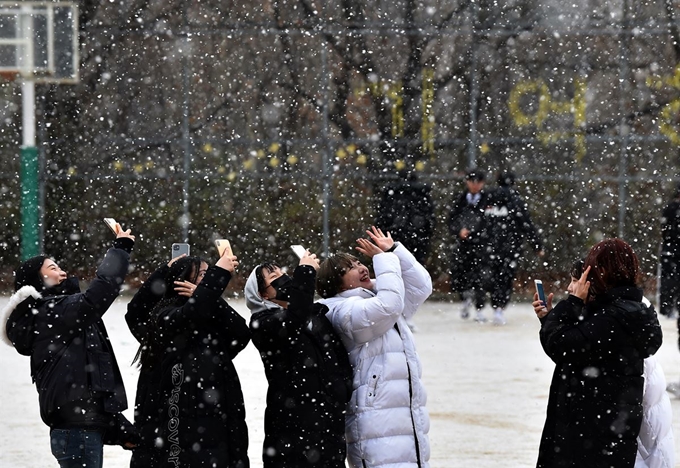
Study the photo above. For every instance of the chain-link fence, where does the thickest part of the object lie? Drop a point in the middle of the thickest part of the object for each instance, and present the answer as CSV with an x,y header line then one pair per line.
x,y
281,123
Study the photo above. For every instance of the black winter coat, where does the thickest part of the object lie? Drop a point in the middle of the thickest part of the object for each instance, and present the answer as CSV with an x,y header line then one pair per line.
x,y
509,224
595,405
189,406
310,380
469,256
72,360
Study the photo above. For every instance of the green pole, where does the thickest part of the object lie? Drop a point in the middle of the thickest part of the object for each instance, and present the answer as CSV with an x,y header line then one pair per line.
x,y
30,209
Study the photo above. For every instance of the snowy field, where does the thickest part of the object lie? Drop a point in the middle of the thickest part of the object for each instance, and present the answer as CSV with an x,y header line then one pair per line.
x,y
487,386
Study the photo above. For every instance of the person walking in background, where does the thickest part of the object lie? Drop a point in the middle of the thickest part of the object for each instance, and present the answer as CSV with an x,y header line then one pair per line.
x,y
655,442
669,281
508,225
598,338
80,388
189,407
406,211
387,423
669,268
307,368
469,265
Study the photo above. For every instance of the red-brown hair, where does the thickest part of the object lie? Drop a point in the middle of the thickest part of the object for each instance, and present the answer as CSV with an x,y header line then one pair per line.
x,y
612,264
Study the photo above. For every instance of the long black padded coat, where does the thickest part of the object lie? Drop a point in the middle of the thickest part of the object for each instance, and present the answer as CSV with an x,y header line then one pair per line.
x,y
189,407
595,405
309,376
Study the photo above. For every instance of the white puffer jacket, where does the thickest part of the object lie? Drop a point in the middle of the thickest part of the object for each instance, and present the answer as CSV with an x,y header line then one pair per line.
x,y
387,422
655,441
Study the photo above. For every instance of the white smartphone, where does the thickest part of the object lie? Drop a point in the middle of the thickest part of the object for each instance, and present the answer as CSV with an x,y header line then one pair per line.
x,y
540,291
299,250
111,223
180,249
223,245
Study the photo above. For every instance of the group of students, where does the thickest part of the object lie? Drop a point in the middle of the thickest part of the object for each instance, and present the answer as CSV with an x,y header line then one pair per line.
x,y
343,373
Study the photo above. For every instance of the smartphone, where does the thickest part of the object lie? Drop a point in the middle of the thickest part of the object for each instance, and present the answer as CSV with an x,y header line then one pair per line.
x,y
299,250
223,245
111,223
539,290
180,249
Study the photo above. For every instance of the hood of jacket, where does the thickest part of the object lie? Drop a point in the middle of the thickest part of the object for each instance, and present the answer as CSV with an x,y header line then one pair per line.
x,y
636,314
254,301
17,319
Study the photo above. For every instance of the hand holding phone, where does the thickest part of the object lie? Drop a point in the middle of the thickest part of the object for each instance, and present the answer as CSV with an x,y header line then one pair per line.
x,y
180,249
540,291
223,246
113,225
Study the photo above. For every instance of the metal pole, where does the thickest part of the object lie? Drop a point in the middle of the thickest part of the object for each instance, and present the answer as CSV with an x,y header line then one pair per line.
x,y
327,174
624,129
186,136
474,91
30,209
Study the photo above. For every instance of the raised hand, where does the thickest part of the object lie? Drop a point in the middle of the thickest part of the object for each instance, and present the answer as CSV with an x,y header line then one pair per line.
x,y
540,309
310,259
185,288
122,233
385,242
228,262
368,248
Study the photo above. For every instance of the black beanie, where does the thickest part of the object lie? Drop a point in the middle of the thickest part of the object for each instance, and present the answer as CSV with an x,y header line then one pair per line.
x,y
28,273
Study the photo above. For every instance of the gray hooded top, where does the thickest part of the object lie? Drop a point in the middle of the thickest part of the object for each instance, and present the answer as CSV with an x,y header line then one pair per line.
x,y
254,302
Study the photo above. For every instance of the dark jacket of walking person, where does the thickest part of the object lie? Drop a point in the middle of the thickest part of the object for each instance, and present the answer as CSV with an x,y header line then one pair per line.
x,y
467,226
509,226
406,211
73,365
307,369
669,287
598,345
189,407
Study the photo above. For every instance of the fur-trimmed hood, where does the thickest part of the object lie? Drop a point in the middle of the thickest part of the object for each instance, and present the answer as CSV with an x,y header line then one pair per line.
x,y
16,315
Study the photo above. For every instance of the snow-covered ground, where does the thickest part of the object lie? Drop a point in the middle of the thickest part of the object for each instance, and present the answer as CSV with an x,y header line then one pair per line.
x,y
488,389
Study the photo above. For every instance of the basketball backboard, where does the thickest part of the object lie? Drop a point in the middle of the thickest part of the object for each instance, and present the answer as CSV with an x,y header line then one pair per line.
x,y
39,40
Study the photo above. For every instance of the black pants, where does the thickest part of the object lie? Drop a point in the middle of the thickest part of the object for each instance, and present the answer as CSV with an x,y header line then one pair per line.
x,y
470,272
501,279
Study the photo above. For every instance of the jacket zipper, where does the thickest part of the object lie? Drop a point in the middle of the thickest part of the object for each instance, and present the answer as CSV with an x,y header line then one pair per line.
x,y
410,399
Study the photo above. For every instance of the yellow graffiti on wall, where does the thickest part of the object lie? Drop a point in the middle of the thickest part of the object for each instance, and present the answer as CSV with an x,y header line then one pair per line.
x,y
668,115
548,106
427,104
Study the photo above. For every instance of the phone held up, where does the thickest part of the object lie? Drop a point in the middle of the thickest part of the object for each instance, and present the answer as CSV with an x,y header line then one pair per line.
x,y
223,246
111,223
299,250
180,249
540,291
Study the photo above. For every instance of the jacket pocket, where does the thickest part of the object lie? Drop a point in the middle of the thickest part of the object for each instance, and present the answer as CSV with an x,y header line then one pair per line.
x,y
372,388
100,370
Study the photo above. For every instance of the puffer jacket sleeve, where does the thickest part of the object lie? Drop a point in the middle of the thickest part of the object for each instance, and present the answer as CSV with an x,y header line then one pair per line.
x,y
84,309
656,447
366,319
417,281
206,309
